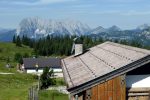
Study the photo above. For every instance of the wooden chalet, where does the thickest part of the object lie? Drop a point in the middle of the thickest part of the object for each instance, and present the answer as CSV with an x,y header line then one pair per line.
x,y
108,71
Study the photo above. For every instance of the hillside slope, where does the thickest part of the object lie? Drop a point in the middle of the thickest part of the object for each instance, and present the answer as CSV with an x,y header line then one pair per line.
x,y
8,51
15,86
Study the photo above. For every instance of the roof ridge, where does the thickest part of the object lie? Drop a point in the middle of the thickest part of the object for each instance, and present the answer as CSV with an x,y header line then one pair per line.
x,y
123,46
115,53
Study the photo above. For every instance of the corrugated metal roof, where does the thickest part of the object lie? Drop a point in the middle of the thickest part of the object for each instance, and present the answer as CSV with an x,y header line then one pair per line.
x,y
30,63
98,61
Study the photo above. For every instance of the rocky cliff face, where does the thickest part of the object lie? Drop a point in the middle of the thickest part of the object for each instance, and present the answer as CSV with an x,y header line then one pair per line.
x,y
36,27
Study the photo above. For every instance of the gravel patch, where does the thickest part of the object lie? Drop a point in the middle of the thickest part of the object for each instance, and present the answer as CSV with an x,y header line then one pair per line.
x,y
61,89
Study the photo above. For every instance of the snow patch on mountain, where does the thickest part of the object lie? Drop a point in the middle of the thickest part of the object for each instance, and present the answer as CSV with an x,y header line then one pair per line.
x,y
37,27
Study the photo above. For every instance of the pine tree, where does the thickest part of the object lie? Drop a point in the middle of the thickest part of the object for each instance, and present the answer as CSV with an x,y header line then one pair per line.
x,y
18,42
14,39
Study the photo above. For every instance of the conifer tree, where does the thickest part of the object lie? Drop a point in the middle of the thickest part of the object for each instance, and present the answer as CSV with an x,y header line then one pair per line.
x,y
14,39
18,42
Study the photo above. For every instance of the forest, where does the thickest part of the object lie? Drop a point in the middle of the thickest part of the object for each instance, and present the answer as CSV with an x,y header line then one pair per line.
x,y
62,45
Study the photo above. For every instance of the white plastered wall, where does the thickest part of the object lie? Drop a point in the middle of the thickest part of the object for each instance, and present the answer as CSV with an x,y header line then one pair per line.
x,y
138,81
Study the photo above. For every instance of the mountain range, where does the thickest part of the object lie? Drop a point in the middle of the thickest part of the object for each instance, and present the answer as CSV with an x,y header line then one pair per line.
x,y
6,35
140,34
38,28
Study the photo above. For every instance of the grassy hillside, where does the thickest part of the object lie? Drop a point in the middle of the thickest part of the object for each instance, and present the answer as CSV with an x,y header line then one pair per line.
x,y
7,51
15,86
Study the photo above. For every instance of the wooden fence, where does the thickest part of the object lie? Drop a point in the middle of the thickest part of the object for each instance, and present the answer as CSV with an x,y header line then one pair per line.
x,y
33,93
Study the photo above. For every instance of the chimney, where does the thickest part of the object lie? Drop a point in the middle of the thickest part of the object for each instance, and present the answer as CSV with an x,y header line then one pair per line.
x,y
78,49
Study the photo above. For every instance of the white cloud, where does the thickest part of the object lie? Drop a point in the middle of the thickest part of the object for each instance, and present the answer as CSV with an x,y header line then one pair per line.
x,y
83,5
124,13
107,12
124,1
135,13
114,12
53,1
38,2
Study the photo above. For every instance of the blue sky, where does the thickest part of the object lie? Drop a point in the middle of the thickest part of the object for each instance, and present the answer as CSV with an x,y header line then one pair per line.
x,y
126,14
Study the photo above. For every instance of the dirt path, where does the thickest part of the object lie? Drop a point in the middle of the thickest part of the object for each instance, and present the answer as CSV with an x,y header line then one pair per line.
x,y
1,73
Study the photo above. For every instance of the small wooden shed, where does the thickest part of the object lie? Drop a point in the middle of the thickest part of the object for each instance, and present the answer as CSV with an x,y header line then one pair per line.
x,y
108,71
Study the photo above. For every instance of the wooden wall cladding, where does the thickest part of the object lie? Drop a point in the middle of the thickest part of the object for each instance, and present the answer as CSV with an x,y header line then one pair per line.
x,y
113,89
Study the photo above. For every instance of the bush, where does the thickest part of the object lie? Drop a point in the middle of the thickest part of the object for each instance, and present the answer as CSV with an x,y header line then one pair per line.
x,y
26,55
1,50
18,58
47,78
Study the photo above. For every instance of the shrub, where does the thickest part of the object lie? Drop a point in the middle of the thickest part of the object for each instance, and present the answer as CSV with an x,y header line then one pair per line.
x,y
1,50
47,78
18,58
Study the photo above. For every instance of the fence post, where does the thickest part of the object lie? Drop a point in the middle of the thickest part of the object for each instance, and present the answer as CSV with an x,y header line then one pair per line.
x,y
29,96
52,95
37,94
33,93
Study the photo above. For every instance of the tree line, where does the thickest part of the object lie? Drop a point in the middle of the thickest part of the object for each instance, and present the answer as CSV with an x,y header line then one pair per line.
x,y
62,45
54,45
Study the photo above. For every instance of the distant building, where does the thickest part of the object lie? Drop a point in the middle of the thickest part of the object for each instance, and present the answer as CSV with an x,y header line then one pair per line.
x,y
30,65
108,71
